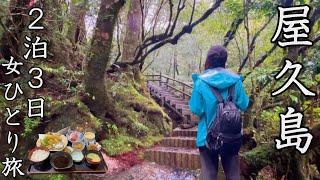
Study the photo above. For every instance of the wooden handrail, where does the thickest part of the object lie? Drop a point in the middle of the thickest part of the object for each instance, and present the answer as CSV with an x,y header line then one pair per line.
x,y
185,87
178,90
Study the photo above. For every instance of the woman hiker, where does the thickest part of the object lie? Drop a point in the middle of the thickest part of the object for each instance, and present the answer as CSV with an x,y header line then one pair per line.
x,y
204,103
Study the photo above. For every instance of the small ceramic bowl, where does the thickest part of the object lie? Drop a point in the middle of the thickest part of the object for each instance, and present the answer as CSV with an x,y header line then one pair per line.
x,y
78,146
93,162
68,149
77,156
94,147
61,160
44,159
75,136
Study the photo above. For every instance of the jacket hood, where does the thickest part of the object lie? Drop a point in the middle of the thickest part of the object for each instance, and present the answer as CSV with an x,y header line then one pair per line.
x,y
220,78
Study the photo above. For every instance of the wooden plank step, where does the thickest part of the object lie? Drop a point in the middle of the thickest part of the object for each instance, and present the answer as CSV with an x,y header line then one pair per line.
x,y
174,100
185,132
163,94
167,95
174,157
185,112
181,106
175,103
179,141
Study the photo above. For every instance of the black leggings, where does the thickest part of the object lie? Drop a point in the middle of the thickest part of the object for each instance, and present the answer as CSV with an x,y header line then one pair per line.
x,y
210,162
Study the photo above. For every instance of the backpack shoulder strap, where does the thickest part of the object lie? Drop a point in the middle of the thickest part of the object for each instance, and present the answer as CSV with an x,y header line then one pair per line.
x,y
217,94
231,93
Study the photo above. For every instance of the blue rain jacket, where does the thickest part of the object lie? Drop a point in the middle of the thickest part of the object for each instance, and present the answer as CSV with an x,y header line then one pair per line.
x,y
203,103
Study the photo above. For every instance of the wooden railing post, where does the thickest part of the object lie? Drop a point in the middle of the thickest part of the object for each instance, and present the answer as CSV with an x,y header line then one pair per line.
x,y
160,83
183,90
167,82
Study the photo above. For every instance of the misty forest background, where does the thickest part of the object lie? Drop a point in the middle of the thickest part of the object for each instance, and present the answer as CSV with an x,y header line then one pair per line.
x,y
100,52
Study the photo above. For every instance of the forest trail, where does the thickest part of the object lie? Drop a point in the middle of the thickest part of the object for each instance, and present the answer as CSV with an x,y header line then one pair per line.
x,y
175,157
179,149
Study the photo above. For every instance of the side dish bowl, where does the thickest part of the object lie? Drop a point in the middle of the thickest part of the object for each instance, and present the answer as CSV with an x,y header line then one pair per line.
x,y
93,158
61,160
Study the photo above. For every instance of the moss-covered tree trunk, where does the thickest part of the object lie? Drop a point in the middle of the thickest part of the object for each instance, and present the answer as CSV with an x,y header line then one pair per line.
x,y
77,31
98,56
133,32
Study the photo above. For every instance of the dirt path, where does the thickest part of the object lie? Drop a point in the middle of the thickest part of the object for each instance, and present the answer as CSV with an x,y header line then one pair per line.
x,y
148,171
130,167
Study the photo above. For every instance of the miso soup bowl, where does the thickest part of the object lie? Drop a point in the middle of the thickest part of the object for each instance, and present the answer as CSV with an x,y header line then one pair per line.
x,y
61,154
91,163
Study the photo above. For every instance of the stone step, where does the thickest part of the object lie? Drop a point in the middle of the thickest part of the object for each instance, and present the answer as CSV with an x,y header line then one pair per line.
x,y
185,132
174,157
179,141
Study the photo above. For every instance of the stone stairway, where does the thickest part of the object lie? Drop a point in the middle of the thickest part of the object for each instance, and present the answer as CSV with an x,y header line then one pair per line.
x,y
178,150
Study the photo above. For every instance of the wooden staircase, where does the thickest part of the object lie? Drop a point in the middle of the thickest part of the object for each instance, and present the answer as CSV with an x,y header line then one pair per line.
x,y
178,150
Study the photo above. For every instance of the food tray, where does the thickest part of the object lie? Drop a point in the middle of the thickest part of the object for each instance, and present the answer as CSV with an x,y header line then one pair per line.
x,y
76,168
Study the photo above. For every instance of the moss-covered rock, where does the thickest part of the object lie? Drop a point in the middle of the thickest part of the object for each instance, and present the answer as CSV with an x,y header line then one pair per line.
x,y
133,108
123,143
133,119
71,113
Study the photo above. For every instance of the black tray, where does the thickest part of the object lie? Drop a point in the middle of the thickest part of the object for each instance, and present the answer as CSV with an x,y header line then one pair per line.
x,y
76,168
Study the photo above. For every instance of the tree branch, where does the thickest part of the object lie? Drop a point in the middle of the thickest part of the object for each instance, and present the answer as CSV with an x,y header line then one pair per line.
x,y
252,44
232,31
158,41
262,58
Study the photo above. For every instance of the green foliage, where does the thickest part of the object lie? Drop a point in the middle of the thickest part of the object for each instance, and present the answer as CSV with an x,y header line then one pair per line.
x,y
134,107
271,123
29,125
50,177
58,177
316,112
3,61
73,113
75,2
124,143
2,104
260,156
235,7
137,119
1,167
264,7
112,129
